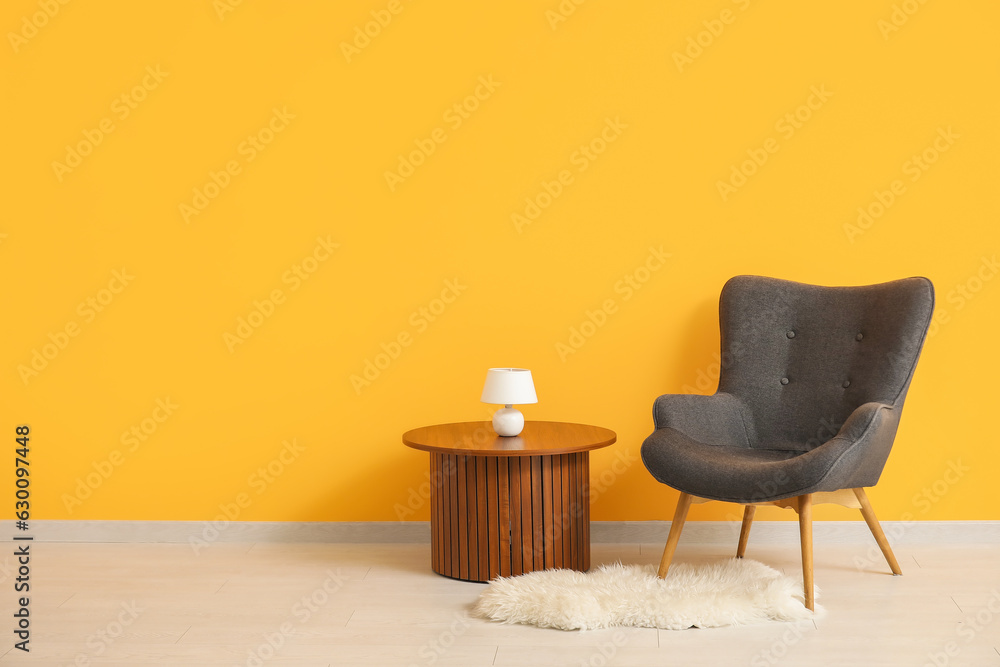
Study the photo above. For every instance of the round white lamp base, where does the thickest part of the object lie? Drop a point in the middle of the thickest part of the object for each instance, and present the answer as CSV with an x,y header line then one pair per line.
x,y
508,421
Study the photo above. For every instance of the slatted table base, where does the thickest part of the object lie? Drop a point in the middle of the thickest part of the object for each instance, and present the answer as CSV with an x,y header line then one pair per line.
x,y
509,515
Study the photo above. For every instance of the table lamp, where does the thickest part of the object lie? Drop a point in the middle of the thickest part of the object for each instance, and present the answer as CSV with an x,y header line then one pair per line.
x,y
507,386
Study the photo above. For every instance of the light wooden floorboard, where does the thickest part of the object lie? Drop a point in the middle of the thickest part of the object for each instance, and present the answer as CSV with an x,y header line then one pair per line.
x,y
380,604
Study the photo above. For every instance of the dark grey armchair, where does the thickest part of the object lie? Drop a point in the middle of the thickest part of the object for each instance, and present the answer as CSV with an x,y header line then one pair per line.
x,y
810,394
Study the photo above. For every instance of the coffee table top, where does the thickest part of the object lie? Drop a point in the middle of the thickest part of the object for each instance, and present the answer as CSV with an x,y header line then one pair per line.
x,y
537,438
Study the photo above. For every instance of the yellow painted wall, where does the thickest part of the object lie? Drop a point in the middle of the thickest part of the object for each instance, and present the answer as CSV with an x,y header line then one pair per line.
x,y
169,169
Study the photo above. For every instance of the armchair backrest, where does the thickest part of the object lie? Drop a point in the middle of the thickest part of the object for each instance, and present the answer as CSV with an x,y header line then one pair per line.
x,y
801,357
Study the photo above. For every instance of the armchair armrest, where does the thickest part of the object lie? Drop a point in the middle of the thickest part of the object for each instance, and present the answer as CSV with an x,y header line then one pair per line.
x,y
719,419
864,419
857,454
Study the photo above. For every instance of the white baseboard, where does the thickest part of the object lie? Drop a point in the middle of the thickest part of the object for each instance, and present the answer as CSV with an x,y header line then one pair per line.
x,y
621,532
787,532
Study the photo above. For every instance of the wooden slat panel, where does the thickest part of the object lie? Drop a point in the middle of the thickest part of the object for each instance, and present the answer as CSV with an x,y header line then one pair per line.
x,y
558,517
504,516
547,513
574,535
456,533
514,471
445,490
472,517
484,543
463,519
537,513
527,533
493,502
442,485
438,484
577,495
503,513
435,519
570,510
451,474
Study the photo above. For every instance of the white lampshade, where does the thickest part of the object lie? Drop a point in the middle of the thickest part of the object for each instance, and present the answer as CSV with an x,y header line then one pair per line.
x,y
509,386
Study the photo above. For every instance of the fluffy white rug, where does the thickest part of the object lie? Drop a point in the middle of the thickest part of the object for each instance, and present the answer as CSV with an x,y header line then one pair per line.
x,y
730,592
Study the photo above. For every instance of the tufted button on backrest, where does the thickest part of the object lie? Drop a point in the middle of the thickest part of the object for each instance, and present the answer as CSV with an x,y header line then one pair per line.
x,y
844,346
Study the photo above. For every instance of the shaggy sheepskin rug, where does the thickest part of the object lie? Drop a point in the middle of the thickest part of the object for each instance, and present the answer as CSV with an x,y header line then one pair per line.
x,y
730,592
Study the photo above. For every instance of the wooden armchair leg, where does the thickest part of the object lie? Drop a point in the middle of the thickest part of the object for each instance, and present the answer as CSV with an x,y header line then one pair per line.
x,y
748,512
680,514
805,535
869,514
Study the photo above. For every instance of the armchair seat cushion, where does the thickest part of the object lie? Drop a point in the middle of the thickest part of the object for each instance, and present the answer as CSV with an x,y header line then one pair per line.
x,y
736,474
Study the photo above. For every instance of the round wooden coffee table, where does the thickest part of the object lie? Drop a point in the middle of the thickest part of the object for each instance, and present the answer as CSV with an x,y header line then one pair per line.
x,y
509,505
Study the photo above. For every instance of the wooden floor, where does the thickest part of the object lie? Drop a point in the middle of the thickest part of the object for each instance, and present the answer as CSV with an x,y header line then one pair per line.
x,y
337,604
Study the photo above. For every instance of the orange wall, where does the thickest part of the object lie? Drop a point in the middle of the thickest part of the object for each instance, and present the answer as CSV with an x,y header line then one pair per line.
x,y
218,214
